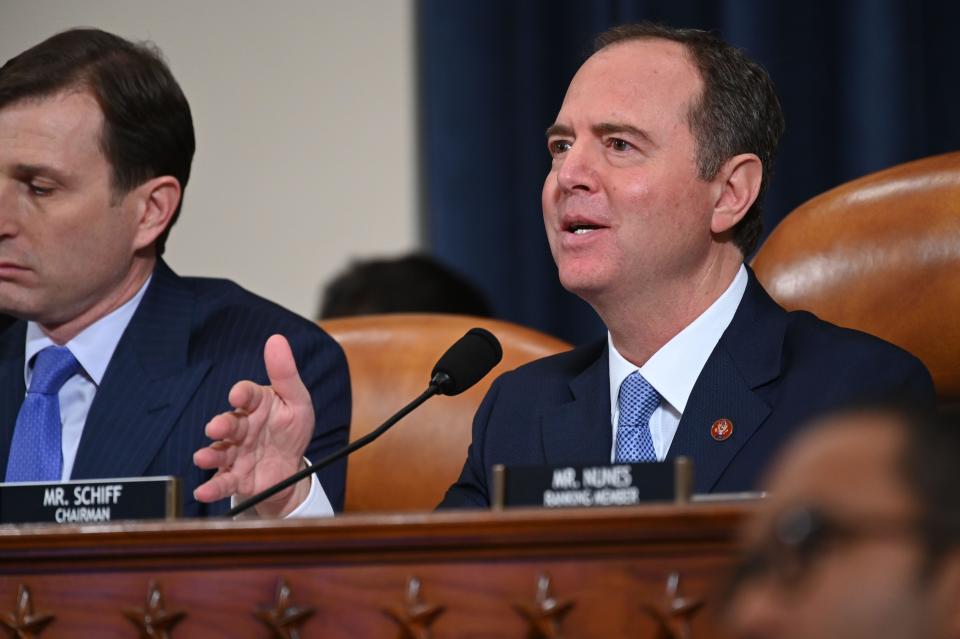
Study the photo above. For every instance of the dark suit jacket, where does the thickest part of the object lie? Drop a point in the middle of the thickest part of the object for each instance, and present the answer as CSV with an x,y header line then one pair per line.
x,y
771,372
189,341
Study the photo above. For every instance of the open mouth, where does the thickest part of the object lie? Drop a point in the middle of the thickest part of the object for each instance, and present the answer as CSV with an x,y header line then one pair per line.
x,y
582,229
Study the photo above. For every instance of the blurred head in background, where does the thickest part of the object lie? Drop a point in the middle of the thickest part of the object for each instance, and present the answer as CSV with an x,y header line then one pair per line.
x,y
409,284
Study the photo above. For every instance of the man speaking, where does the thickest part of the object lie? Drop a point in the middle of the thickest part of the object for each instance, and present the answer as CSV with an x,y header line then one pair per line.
x,y
661,151
110,363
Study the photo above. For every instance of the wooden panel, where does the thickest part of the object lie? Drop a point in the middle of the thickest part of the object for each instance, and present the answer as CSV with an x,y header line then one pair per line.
x,y
481,568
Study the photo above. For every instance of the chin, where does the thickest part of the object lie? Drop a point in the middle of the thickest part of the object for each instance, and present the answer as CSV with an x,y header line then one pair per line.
x,y
584,284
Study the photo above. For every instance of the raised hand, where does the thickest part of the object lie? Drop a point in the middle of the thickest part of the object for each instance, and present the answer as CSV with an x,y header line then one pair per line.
x,y
262,440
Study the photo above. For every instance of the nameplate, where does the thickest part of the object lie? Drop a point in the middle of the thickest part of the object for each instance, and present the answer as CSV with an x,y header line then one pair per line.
x,y
90,501
592,486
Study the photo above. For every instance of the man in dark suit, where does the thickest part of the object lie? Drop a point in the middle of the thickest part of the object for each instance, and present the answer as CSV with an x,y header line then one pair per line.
x,y
110,364
660,154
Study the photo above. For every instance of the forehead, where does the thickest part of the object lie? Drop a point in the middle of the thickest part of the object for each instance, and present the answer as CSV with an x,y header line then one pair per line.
x,y
635,77
61,129
850,467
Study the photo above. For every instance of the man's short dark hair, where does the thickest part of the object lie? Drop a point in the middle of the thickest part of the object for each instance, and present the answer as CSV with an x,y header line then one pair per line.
x,y
409,284
148,129
738,111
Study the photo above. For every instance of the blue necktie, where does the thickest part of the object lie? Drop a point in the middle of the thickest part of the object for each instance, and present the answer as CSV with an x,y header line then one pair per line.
x,y
636,402
35,453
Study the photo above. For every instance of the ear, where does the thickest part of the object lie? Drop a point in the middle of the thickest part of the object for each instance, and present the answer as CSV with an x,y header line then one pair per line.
x,y
738,183
157,200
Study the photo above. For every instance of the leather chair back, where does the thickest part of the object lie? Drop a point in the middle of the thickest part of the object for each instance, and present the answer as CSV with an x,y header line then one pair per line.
x,y
880,254
390,358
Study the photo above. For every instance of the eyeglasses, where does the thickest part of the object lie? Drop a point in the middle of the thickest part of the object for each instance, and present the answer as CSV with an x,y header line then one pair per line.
x,y
801,536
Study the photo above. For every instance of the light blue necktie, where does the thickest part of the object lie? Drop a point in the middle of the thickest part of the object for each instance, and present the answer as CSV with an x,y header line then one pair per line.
x,y
636,403
35,453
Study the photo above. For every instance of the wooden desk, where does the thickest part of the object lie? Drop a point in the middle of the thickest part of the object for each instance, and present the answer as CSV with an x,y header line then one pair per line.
x,y
574,573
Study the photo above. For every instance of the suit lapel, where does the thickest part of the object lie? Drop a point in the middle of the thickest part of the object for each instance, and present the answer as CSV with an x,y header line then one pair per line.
x,y
747,356
579,431
146,385
12,388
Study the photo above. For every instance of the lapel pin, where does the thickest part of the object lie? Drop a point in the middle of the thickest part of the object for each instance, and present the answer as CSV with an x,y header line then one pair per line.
x,y
721,429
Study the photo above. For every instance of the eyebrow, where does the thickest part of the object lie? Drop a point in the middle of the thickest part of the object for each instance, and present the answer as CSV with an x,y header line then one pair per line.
x,y
559,129
43,170
603,128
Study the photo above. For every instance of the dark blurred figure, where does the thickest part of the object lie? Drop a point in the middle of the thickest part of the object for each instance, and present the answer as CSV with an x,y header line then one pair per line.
x,y
861,537
410,284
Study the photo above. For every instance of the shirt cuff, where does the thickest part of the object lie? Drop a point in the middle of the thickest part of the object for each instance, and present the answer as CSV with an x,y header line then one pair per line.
x,y
317,504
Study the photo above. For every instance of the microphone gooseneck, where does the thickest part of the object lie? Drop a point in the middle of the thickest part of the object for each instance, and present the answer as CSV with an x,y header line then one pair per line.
x,y
463,364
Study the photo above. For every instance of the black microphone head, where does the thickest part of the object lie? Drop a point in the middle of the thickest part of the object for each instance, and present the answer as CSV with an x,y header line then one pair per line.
x,y
466,362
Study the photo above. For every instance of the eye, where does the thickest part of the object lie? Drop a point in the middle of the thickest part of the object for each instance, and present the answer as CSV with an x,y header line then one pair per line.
x,y
38,186
619,145
558,147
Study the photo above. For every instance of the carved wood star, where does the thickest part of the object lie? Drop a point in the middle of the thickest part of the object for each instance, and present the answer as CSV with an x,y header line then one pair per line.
x,y
546,615
416,617
154,622
284,618
22,623
674,613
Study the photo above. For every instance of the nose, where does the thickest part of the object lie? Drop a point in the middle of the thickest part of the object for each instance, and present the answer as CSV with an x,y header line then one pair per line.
x,y
577,169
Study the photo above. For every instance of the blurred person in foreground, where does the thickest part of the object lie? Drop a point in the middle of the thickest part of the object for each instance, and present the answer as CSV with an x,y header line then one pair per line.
x,y
860,537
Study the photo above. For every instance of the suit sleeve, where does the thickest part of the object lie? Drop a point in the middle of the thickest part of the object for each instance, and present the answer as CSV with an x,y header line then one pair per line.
x,y
471,490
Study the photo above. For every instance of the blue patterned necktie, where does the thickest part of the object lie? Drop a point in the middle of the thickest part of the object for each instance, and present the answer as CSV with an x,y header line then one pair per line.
x,y
35,453
636,402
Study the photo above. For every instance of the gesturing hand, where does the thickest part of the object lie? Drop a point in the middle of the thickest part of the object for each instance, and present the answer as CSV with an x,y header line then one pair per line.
x,y
262,440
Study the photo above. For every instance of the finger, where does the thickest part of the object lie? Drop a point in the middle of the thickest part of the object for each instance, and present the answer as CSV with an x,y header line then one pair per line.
x,y
246,396
215,456
220,486
282,371
230,426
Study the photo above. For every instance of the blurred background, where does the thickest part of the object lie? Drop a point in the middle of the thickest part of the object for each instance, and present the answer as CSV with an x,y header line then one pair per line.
x,y
334,131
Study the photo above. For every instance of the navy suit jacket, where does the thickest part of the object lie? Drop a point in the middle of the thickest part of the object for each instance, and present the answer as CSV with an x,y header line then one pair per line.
x,y
189,341
770,373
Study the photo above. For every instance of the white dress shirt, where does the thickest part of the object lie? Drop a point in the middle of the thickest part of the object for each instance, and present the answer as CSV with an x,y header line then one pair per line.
x,y
674,369
93,347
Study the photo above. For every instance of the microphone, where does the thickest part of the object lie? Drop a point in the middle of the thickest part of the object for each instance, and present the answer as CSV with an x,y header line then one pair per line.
x,y
464,364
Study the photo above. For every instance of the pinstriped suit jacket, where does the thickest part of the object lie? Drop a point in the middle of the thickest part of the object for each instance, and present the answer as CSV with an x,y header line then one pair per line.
x,y
189,341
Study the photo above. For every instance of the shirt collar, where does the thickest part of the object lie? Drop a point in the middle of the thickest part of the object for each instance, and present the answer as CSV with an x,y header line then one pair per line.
x,y
93,346
674,369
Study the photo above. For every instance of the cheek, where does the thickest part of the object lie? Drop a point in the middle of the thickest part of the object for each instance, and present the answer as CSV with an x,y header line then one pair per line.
x,y
863,594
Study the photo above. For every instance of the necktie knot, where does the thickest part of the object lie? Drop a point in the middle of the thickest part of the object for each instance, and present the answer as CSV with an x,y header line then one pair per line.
x,y
52,367
637,400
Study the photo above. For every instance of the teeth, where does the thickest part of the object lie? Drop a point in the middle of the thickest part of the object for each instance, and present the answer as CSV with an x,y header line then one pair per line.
x,y
582,231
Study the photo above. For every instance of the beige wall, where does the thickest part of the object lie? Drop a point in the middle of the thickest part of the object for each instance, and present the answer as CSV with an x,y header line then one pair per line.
x,y
304,112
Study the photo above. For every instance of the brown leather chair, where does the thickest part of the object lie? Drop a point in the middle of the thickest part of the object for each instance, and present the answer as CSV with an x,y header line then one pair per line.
x,y
390,359
880,254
